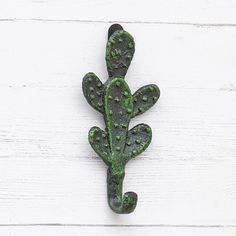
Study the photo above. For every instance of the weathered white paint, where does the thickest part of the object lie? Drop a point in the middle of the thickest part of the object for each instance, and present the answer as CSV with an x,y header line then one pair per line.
x,y
114,231
158,11
186,180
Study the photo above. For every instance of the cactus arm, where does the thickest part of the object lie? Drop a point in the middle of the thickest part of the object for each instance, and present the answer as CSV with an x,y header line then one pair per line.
x,y
98,141
118,104
93,91
145,98
119,53
138,139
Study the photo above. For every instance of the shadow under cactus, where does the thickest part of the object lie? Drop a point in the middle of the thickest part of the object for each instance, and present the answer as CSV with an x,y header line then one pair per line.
x,y
117,144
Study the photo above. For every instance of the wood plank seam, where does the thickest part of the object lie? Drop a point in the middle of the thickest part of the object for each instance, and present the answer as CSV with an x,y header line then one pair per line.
x,y
196,24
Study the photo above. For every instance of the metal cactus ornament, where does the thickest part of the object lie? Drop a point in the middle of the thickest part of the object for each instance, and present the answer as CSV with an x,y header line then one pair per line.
x,y
117,144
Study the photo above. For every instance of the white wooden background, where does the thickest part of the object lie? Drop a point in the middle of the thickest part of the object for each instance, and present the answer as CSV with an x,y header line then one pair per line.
x,y
51,181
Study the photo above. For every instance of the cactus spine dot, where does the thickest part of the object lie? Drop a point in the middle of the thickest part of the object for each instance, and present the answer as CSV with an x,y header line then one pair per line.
x,y
117,84
138,141
144,98
128,143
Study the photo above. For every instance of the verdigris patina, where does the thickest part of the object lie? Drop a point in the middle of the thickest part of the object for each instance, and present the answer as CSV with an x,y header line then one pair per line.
x,y
117,144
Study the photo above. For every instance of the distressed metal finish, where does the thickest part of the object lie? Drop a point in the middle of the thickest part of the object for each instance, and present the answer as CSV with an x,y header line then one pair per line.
x,y
117,144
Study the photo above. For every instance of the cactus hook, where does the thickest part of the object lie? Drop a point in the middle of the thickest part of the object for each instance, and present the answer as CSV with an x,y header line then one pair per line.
x,y
117,144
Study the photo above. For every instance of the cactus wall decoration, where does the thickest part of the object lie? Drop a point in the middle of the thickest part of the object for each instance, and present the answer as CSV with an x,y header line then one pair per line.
x,y
117,144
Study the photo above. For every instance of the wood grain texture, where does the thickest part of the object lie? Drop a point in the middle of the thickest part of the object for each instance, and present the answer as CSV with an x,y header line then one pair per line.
x,y
115,231
49,175
49,171
155,11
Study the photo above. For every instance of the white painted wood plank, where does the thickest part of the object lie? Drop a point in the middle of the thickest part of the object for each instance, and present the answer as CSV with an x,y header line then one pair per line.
x,y
191,11
49,173
116,231
43,54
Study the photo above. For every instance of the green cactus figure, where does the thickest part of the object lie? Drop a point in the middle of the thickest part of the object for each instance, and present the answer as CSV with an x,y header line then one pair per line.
x,y
117,144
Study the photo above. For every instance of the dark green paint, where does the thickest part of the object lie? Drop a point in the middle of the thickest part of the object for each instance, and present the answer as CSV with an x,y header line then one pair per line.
x,y
117,144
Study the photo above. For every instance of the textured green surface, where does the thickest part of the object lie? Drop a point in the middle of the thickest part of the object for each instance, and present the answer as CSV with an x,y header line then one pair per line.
x,y
117,144
93,91
119,53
